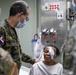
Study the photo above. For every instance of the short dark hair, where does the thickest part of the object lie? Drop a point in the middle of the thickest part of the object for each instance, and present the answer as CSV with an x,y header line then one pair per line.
x,y
17,7
57,50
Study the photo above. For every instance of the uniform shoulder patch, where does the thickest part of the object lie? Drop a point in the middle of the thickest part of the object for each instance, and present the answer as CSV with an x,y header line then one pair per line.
x,y
1,39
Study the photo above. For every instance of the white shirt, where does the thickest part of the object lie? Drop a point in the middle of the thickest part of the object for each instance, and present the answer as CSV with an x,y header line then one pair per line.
x,y
40,68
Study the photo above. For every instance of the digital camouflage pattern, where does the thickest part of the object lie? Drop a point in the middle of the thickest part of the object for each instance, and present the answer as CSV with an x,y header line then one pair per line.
x,y
69,49
6,63
12,45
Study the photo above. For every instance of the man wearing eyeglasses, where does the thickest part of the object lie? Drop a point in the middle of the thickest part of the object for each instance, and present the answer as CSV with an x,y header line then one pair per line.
x,y
18,17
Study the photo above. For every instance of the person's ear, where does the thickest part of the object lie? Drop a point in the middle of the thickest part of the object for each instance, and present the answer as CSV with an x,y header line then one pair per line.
x,y
20,14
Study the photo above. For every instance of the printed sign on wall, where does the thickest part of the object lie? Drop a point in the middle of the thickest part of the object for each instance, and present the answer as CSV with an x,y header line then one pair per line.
x,y
50,6
59,15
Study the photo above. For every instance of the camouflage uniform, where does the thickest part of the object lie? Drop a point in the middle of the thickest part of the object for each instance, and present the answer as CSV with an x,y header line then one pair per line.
x,y
69,49
7,65
12,45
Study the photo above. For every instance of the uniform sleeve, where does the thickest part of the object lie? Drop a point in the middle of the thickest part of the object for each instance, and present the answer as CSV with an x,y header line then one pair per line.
x,y
27,59
1,44
1,68
2,36
6,62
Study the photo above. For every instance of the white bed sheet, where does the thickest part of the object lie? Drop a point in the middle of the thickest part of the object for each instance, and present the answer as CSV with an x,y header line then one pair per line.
x,y
24,70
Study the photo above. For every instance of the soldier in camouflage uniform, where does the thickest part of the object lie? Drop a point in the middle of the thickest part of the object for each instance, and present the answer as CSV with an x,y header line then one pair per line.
x,y
19,13
69,62
7,65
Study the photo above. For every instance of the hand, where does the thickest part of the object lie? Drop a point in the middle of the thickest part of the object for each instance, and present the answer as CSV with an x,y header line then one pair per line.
x,y
37,61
